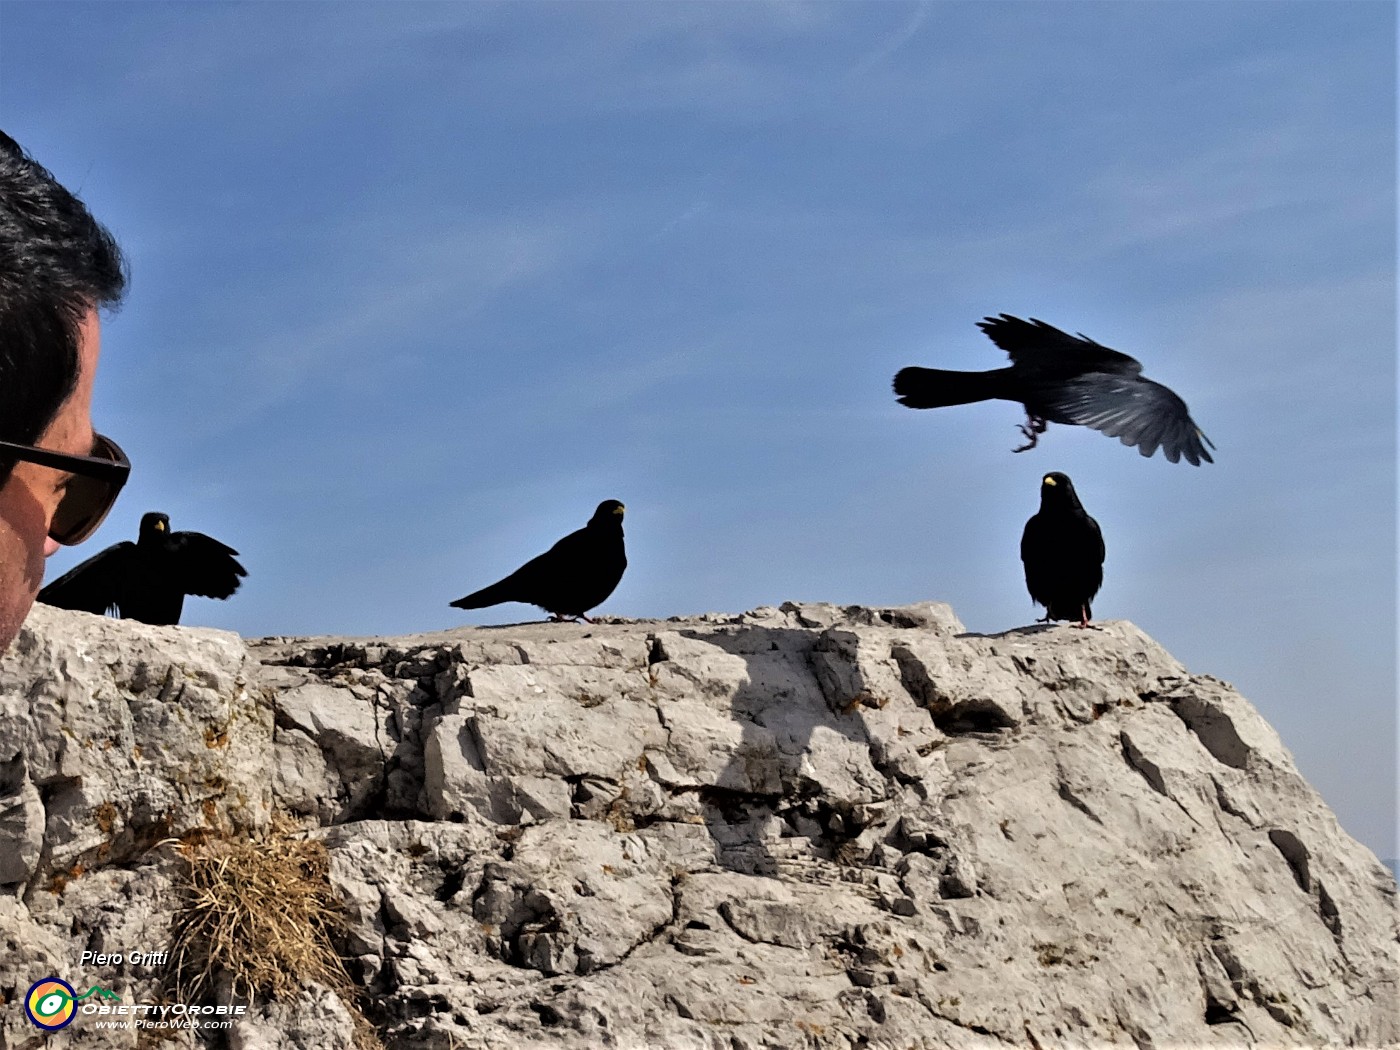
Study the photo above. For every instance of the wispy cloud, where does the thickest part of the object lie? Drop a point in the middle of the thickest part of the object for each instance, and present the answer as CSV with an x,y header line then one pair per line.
x,y
892,43
323,323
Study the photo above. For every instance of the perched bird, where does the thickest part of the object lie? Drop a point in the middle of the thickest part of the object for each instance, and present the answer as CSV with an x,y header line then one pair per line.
x,y
148,580
1062,550
1061,378
570,578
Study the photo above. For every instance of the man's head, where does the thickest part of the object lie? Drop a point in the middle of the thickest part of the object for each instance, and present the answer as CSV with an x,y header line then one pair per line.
x,y
58,266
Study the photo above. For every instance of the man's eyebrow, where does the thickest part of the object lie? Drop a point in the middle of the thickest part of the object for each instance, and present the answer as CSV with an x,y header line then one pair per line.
x,y
64,476
91,445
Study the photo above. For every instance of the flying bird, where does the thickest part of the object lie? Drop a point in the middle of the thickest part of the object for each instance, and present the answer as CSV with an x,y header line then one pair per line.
x,y
1061,378
148,580
573,576
1062,550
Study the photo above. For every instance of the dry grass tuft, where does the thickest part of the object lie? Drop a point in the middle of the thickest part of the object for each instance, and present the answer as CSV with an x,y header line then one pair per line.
x,y
261,915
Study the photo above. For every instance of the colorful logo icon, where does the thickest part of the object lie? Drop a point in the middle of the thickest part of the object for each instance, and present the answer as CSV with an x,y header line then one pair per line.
x,y
49,1004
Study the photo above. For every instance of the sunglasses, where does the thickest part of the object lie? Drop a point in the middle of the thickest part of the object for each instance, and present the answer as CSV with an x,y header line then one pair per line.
x,y
90,492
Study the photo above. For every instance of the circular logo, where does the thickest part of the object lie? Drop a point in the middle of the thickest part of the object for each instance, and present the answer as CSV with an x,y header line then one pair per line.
x,y
49,1004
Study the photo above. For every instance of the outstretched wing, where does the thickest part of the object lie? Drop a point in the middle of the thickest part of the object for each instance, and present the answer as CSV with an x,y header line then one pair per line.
x,y
1039,345
97,585
202,565
1135,410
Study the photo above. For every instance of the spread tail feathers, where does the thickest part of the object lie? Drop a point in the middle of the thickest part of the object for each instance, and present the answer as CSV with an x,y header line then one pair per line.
x,y
937,387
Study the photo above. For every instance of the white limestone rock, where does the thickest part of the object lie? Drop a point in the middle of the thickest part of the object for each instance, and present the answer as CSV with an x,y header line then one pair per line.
x,y
804,826
128,736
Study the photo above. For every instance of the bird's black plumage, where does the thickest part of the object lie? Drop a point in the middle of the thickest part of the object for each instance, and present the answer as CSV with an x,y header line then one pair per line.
x,y
1061,378
573,576
1062,550
148,580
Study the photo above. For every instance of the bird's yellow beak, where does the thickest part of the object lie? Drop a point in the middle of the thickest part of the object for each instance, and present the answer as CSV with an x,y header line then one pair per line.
x,y
619,510
1049,480
160,526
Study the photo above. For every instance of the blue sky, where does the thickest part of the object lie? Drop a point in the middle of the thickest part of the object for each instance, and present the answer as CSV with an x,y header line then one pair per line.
x,y
415,286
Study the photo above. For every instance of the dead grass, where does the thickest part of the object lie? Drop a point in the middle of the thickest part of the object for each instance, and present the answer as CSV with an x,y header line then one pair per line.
x,y
260,915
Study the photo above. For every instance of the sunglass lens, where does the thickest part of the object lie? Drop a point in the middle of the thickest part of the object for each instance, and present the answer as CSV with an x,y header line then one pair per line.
x,y
86,500
85,503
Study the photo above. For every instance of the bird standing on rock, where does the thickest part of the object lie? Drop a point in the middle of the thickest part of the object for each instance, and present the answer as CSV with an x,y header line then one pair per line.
x,y
148,580
573,576
1062,549
1061,378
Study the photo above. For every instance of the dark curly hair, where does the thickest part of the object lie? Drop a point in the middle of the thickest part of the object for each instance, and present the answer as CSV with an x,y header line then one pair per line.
x,y
56,263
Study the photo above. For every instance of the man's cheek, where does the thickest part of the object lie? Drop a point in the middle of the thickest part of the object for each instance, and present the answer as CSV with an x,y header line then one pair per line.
x,y
26,519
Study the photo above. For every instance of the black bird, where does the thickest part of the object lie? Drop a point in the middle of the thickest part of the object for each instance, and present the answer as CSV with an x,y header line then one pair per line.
x,y
1062,549
573,576
148,580
1062,378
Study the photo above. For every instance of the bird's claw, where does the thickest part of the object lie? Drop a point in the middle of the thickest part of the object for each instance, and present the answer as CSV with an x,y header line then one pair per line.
x,y
1031,430
1084,623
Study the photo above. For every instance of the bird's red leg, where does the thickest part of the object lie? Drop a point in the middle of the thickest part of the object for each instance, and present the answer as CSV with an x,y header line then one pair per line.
x,y
584,617
1031,429
1084,620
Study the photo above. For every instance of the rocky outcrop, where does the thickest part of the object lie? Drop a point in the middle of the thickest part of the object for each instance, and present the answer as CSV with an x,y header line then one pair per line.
x,y
798,827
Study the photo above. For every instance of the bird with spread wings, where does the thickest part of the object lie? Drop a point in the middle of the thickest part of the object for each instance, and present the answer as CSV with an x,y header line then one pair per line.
x,y
1063,378
149,579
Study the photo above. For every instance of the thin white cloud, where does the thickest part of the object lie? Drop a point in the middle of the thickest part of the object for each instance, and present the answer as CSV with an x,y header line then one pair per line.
x,y
896,40
319,324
